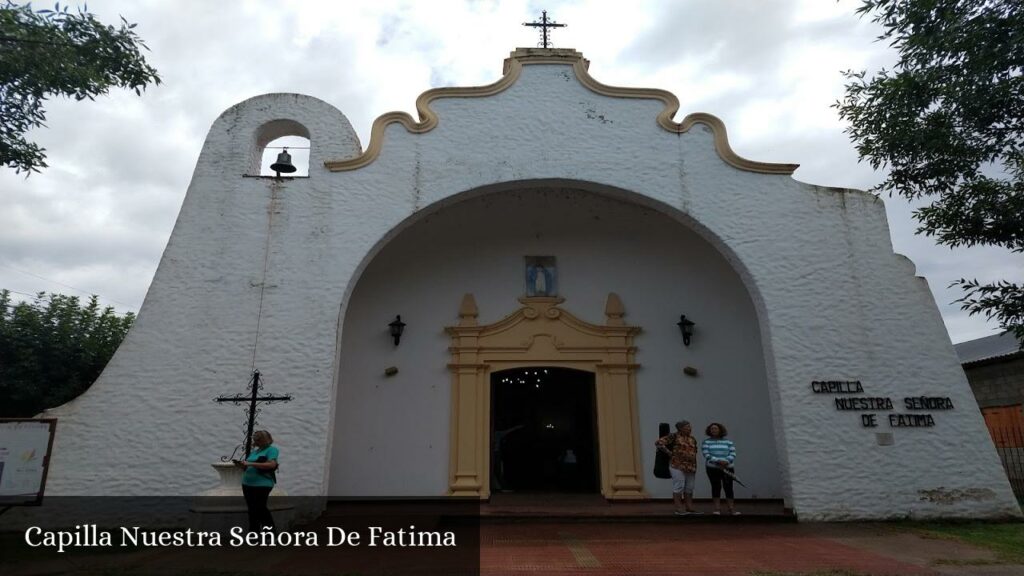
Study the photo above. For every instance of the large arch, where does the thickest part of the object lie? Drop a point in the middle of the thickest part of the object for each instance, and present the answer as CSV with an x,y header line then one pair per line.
x,y
596,190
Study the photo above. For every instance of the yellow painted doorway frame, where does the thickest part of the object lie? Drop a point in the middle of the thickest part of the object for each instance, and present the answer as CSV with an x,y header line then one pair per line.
x,y
540,333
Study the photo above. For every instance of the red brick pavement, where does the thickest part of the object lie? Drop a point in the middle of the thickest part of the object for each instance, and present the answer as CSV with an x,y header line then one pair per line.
x,y
669,549
549,549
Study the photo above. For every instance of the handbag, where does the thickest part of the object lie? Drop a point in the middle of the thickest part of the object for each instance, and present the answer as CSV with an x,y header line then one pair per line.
x,y
272,474
661,459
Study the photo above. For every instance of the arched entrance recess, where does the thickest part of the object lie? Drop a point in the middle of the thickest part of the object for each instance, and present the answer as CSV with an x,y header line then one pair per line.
x,y
540,332
397,275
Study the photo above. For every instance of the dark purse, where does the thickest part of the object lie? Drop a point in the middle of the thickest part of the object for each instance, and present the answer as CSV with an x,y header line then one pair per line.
x,y
272,474
661,459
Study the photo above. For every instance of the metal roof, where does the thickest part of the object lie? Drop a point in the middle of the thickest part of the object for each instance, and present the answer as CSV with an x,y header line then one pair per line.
x,y
988,347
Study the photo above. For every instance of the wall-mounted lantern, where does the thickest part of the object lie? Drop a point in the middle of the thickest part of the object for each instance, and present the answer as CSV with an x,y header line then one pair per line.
x,y
397,327
686,327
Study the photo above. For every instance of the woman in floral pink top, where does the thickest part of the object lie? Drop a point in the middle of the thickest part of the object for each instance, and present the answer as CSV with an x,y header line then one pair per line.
x,y
683,448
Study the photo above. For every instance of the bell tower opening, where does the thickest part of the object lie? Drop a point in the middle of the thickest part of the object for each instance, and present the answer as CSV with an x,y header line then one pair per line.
x,y
280,148
297,150
544,431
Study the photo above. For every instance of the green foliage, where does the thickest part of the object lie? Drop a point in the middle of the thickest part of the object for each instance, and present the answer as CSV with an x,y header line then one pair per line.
x,y
52,349
948,123
1006,539
58,52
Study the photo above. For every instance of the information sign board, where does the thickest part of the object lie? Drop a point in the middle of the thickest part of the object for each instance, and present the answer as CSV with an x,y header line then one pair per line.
x,y
25,445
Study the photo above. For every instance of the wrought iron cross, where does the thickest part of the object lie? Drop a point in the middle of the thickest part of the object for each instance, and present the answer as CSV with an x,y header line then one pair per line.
x,y
253,398
544,24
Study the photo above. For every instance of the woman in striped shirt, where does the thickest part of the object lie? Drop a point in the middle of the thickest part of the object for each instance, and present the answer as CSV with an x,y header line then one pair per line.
x,y
719,456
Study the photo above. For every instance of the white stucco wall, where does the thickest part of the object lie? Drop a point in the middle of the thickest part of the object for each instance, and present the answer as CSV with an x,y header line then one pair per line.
x,y
657,266
832,300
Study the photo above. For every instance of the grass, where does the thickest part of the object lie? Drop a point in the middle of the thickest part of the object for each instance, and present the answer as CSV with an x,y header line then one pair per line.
x,y
1006,539
970,562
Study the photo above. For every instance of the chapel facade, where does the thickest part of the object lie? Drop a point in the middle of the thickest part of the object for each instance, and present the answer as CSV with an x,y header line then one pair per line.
x,y
540,238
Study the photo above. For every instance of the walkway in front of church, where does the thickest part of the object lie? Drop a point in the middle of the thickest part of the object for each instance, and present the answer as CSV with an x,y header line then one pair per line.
x,y
724,546
585,548
578,534
561,535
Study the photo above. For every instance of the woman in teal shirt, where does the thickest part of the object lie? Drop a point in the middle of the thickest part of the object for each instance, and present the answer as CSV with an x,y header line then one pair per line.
x,y
259,479
719,457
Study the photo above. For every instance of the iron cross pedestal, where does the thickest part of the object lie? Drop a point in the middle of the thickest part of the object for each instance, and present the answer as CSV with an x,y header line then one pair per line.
x,y
253,398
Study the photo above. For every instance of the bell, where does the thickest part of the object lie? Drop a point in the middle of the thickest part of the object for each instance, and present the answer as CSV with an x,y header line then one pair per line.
x,y
283,164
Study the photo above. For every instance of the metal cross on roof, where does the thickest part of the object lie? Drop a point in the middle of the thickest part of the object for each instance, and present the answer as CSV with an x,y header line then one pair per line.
x,y
544,24
253,398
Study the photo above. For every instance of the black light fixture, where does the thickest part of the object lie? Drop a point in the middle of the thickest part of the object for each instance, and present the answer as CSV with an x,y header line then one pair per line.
x,y
397,327
686,327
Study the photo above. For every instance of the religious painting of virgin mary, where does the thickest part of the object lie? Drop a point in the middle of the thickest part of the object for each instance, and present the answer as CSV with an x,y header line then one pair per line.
x,y
541,276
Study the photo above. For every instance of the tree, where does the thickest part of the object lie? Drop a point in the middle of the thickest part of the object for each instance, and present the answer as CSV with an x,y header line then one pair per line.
x,y
53,349
57,52
948,122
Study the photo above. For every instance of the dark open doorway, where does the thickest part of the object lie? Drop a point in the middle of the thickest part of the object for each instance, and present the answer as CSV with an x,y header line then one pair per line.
x,y
543,431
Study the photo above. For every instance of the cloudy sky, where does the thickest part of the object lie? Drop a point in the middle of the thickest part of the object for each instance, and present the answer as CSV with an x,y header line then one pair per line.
x,y
98,219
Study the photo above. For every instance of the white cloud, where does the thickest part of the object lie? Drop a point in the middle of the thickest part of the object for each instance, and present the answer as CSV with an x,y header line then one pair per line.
x,y
99,217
